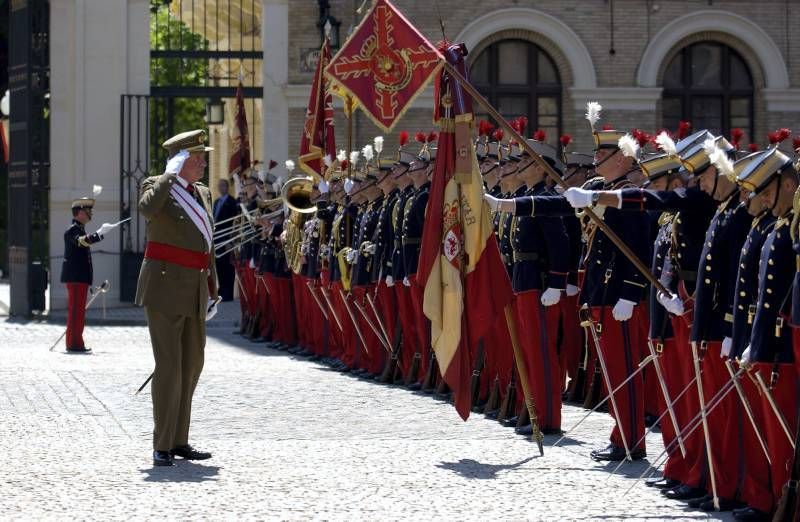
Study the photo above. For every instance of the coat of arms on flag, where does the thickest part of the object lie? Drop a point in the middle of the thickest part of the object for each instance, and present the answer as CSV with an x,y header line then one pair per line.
x,y
384,64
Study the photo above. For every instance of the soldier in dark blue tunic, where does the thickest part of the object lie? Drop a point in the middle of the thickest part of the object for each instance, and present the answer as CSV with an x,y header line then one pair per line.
x,y
76,270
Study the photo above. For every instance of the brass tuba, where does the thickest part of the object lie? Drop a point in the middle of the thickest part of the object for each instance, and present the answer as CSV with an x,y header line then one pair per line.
x,y
296,196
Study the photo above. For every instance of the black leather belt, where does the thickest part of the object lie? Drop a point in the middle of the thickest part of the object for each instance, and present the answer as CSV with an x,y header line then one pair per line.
x,y
411,241
525,256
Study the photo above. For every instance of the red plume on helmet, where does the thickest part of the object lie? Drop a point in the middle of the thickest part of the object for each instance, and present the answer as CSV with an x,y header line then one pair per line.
x,y
641,137
432,136
498,134
753,147
565,140
484,128
343,165
778,136
607,127
522,123
540,135
796,143
420,137
683,128
403,138
736,137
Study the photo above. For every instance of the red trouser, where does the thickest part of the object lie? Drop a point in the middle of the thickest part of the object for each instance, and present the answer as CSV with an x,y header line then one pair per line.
x,y
373,357
336,339
386,303
499,356
300,310
421,324
620,346
755,486
262,292
724,447
571,343
671,357
76,313
352,344
405,311
537,329
284,313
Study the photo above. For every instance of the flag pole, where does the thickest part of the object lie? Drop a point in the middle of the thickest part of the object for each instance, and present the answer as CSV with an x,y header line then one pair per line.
x,y
553,175
523,376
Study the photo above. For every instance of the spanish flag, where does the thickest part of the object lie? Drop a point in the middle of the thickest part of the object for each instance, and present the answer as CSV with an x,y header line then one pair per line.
x,y
466,285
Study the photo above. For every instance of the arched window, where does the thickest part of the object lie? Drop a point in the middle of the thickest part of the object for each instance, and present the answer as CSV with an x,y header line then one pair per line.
x,y
520,79
710,85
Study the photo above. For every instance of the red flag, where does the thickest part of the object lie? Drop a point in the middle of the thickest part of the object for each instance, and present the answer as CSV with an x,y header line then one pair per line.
x,y
384,65
240,159
466,284
318,139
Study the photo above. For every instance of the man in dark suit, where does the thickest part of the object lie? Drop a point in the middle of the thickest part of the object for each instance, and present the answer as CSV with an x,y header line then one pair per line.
x,y
225,207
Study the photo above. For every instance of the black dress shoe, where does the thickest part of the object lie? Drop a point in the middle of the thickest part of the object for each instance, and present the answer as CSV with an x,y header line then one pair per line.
x,y
78,349
508,422
414,386
683,492
697,502
724,505
491,414
749,514
663,483
614,454
552,431
162,458
526,430
189,453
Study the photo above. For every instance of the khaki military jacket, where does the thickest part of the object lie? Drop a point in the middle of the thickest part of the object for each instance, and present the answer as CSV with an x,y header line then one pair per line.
x,y
164,286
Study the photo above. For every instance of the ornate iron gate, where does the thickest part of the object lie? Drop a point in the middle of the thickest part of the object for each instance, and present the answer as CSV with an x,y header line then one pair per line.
x,y
29,165
194,49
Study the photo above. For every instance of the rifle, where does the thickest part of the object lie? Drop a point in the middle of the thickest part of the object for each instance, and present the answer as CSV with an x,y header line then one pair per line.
x,y
510,400
578,384
429,382
475,382
413,372
789,506
389,371
493,402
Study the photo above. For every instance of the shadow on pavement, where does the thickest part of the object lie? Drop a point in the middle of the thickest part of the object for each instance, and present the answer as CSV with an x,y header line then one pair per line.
x,y
183,471
473,469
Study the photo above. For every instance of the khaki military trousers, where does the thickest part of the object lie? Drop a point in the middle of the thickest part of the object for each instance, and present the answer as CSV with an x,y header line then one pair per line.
x,y
178,348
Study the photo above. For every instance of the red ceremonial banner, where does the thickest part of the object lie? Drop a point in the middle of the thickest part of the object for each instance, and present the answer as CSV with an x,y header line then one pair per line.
x,y
318,139
240,159
384,65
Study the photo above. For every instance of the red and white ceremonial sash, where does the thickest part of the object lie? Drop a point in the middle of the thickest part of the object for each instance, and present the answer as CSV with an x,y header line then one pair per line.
x,y
196,212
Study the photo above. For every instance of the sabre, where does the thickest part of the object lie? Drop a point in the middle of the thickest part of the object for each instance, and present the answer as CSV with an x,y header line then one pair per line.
x,y
588,324
706,434
748,410
144,384
775,409
655,424
118,223
692,424
310,287
372,326
330,307
665,393
599,405
102,288
378,317
353,320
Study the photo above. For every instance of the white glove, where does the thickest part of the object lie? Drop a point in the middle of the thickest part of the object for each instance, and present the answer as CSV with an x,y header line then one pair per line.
x,y
494,203
348,185
672,303
744,361
578,197
105,228
389,280
727,344
406,282
572,290
211,308
323,187
252,263
551,296
175,163
623,310
371,248
351,256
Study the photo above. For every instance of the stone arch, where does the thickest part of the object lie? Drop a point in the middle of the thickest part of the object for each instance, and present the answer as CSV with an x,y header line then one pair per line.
x,y
560,42
757,48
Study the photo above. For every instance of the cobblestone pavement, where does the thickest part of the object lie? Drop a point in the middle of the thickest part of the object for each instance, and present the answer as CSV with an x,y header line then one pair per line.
x,y
291,439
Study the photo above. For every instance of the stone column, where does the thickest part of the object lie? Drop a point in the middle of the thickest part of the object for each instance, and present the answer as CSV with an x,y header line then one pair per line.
x,y
275,105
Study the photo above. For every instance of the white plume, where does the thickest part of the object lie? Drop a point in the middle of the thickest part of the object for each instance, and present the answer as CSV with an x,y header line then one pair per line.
x,y
721,160
666,143
96,190
629,146
378,142
709,146
289,165
368,152
593,110
327,160
341,156
354,157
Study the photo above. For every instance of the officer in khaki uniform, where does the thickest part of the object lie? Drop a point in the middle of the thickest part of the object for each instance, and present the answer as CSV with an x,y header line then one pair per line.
x,y
178,288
